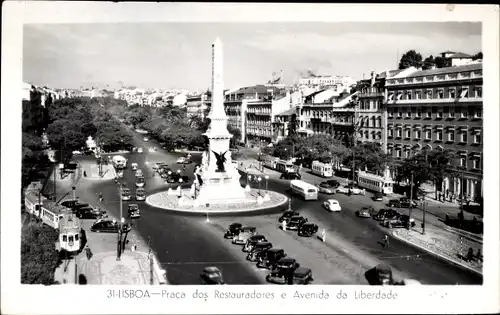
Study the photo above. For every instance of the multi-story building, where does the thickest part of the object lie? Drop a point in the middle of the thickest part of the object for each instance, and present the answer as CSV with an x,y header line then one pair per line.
x,y
440,109
197,105
283,124
327,80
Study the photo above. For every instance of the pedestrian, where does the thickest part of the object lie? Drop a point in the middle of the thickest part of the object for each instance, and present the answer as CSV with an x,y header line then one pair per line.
x,y
447,193
385,240
479,255
84,173
470,254
88,252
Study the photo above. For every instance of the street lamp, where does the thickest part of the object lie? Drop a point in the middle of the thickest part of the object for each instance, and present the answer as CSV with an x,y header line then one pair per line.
x,y
259,179
267,178
207,219
118,253
180,188
424,203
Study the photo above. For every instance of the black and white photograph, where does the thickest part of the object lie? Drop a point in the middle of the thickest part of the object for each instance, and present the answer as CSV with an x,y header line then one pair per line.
x,y
276,153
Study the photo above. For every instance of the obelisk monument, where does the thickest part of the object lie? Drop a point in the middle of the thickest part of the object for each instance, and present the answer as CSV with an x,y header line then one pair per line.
x,y
220,178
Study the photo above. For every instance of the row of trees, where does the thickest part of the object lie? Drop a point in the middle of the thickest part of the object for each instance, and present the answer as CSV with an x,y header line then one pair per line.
x,y
414,59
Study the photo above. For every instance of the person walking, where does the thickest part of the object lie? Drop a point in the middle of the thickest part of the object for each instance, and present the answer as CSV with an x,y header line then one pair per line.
x,y
385,240
101,199
84,173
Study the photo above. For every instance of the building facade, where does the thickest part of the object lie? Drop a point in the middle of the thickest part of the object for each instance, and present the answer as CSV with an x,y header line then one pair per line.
x,y
440,109
197,105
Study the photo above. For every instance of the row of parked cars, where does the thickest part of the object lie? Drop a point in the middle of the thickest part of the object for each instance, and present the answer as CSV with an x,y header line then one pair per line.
x,y
389,218
283,269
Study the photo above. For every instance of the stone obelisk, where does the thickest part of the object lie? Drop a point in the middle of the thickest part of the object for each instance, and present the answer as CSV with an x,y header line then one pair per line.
x,y
220,184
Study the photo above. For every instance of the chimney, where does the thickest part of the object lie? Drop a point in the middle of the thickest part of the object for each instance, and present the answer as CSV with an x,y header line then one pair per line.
x,y
373,78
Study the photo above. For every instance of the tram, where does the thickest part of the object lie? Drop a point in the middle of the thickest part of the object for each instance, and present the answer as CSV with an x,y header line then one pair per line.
x,y
373,182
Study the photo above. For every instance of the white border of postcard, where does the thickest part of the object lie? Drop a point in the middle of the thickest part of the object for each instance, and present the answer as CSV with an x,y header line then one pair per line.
x,y
19,299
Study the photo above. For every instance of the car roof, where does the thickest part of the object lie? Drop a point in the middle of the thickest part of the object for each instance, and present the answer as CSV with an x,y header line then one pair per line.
x,y
333,200
211,269
383,267
308,224
235,224
133,205
257,236
301,271
262,244
297,217
274,250
286,260
248,227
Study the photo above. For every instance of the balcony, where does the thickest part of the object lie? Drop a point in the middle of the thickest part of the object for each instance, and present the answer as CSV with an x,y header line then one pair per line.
x,y
371,94
436,101
341,123
436,78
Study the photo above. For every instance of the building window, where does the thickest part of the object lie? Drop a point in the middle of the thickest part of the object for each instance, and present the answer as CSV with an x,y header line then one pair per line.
x,y
440,94
417,134
439,135
462,161
476,163
407,153
451,135
479,92
428,135
477,138
428,94
439,114
390,132
408,113
398,153
451,114
408,95
464,113
478,113
398,133
428,113
399,95
463,137
391,96
418,114
400,113
389,151
451,93
389,112
408,134
464,92
418,95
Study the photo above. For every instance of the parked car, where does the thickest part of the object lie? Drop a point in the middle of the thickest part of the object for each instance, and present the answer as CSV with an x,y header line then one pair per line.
x,y
365,212
334,183
244,235
134,166
181,160
383,275
212,275
325,188
303,276
126,195
378,196
356,190
407,203
109,226
139,150
252,240
140,181
139,173
342,190
89,213
270,258
332,205
393,203
157,165
295,222
133,211
386,214
281,270
399,221
145,139
290,175
73,203
259,247
233,230
307,229
140,194
287,215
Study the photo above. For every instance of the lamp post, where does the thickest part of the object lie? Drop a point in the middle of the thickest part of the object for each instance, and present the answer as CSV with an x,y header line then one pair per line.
x,y
118,253
180,188
411,199
207,219
259,179
267,178
424,203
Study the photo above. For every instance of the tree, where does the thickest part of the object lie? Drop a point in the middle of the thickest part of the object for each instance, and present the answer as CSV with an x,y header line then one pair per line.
x,y
410,59
440,166
39,258
429,63
477,56
369,156
442,62
417,167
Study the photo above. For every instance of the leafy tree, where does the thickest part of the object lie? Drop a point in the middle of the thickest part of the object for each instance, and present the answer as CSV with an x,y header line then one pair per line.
x,y
39,258
369,156
418,167
410,59
440,162
429,63
442,62
477,56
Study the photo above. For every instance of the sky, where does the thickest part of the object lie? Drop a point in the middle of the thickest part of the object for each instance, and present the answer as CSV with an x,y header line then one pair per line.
x,y
178,55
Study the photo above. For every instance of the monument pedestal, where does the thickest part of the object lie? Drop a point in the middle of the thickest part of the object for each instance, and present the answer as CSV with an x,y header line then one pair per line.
x,y
221,187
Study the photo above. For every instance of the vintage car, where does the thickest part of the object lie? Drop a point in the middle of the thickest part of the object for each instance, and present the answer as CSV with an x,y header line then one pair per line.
x,y
181,160
355,190
244,235
139,150
287,215
145,139
134,166
343,189
383,214
399,221
270,258
405,202
290,175
332,205
378,196
252,240
365,212
140,181
307,229
233,230
295,222
326,188
126,195
157,165
211,275
139,173
133,211
140,194
283,269
383,275
253,255
334,183
408,282
89,213
109,226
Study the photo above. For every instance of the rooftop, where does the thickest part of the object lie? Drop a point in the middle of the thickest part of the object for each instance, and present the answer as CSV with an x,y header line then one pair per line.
x,y
288,112
460,55
469,67
259,89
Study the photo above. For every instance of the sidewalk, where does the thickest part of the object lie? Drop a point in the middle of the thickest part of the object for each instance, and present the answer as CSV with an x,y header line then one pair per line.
x,y
92,171
443,244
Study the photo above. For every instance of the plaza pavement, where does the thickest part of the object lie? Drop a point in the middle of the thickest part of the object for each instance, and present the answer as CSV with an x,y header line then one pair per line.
x,y
440,239
102,268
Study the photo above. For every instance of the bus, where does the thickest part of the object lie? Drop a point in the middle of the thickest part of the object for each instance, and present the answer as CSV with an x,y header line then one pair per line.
x,y
69,234
322,169
306,190
373,182
284,166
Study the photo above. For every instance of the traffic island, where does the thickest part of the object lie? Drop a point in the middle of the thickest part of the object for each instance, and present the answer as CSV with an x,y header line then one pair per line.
x,y
253,202
444,245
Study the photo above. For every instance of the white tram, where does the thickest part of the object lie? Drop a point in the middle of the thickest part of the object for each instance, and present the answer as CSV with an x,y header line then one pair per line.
x,y
69,234
269,161
33,199
283,166
322,169
52,213
373,182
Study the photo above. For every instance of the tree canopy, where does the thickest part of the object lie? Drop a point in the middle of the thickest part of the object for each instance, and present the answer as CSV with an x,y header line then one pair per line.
x,y
410,59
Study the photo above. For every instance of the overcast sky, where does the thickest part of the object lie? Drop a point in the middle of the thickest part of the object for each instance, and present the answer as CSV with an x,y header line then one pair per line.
x,y
178,55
